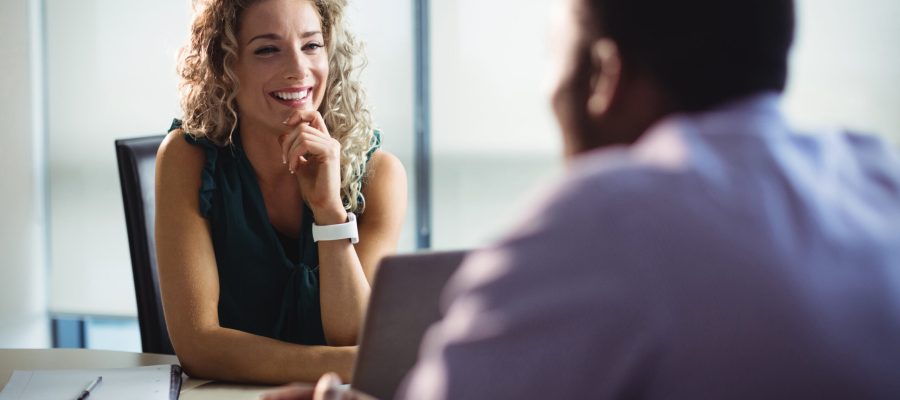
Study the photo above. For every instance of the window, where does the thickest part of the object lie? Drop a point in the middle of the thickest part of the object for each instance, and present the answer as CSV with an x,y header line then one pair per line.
x,y
494,137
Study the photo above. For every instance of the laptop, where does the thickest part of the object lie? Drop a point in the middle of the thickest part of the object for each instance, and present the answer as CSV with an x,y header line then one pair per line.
x,y
403,303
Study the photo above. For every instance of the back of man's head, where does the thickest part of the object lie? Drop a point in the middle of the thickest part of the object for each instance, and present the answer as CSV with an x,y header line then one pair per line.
x,y
701,52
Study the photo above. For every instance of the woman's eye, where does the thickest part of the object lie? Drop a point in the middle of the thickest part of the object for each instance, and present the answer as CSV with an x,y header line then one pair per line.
x,y
265,51
312,46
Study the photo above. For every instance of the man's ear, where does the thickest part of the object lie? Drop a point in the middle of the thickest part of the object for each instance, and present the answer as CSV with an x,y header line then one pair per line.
x,y
606,65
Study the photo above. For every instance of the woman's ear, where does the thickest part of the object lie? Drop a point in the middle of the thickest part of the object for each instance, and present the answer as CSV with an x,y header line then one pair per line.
x,y
606,64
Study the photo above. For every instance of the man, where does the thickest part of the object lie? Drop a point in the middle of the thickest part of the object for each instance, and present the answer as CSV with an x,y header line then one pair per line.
x,y
698,247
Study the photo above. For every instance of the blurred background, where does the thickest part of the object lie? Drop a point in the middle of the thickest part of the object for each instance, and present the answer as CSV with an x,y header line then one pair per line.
x,y
77,74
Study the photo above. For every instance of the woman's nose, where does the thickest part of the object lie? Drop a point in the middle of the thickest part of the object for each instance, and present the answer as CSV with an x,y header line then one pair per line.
x,y
297,65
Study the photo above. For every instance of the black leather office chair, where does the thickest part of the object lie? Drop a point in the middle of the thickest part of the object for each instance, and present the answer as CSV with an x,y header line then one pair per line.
x,y
137,170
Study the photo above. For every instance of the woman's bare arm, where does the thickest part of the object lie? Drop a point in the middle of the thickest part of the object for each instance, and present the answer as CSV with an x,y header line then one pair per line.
x,y
346,271
190,290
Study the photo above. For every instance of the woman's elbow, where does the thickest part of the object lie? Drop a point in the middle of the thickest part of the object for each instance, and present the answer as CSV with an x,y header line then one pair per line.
x,y
192,370
341,339
193,355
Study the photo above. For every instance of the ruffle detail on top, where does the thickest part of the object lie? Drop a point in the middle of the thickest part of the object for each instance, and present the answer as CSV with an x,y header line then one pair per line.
x,y
207,180
376,144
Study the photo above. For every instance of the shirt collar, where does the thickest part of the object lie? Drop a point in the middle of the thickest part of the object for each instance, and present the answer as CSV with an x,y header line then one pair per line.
x,y
753,114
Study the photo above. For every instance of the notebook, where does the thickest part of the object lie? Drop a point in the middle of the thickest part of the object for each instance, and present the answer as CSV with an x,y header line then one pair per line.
x,y
404,302
156,382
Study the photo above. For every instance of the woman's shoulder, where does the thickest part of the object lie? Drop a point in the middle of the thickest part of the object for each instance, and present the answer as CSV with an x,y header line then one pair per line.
x,y
178,152
384,172
187,147
187,165
383,160
381,164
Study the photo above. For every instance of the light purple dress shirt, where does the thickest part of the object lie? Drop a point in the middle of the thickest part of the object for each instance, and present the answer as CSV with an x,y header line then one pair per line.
x,y
722,256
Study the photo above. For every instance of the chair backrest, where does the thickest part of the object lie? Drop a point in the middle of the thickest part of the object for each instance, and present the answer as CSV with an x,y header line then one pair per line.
x,y
137,171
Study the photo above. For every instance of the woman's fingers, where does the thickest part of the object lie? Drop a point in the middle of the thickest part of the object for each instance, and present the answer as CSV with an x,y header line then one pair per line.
x,y
288,140
297,152
311,117
307,143
309,136
316,121
293,118
303,153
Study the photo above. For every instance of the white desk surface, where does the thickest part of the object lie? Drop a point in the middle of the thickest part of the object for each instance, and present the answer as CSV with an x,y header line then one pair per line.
x,y
191,389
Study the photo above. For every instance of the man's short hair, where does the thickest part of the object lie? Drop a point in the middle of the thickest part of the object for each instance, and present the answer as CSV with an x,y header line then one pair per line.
x,y
702,52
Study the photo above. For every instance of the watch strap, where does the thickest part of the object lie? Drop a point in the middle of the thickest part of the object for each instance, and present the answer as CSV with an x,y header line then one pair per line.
x,y
346,230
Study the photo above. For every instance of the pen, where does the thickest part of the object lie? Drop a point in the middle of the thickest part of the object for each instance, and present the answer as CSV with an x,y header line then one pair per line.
x,y
87,391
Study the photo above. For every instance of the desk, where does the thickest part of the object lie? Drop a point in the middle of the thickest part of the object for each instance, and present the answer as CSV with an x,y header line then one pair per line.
x,y
191,389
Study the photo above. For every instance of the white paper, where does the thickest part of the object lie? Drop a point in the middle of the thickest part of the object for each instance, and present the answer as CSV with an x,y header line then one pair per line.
x,y
150,383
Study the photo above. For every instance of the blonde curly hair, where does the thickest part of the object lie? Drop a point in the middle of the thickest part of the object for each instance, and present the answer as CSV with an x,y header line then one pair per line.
x,y
209,85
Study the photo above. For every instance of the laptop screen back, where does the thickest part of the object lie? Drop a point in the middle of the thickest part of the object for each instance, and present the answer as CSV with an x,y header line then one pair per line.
x,y
404,302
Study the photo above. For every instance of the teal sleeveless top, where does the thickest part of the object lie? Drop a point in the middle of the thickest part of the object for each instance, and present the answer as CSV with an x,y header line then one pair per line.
x,y
268,282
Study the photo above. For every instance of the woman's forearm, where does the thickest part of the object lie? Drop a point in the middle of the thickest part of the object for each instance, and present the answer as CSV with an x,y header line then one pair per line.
x,y
346,271
344,292
231,355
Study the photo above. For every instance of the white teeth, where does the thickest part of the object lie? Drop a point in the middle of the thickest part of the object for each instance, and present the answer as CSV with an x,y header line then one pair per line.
x,y
292,95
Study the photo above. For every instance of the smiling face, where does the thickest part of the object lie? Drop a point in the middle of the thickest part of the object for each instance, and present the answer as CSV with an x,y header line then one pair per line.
x,y
282,62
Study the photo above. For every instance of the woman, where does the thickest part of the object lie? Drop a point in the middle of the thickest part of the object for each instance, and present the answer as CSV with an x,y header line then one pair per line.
x,y
276,150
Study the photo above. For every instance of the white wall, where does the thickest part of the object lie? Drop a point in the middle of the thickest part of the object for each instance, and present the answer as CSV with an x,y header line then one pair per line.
x,y
23,289
494,136
489,63
845,69
385,27
110,75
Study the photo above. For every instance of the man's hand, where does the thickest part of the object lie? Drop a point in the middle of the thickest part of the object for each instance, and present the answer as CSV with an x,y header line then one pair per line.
x,y
327,388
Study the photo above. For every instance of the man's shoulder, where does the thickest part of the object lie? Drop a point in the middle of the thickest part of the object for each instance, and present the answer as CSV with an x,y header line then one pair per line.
x,y
608,180
675,165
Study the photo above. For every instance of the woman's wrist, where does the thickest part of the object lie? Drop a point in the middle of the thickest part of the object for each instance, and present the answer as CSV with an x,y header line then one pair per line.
x,y
329,215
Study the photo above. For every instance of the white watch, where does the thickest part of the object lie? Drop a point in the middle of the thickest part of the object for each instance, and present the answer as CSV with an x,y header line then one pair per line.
x,y
346,230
